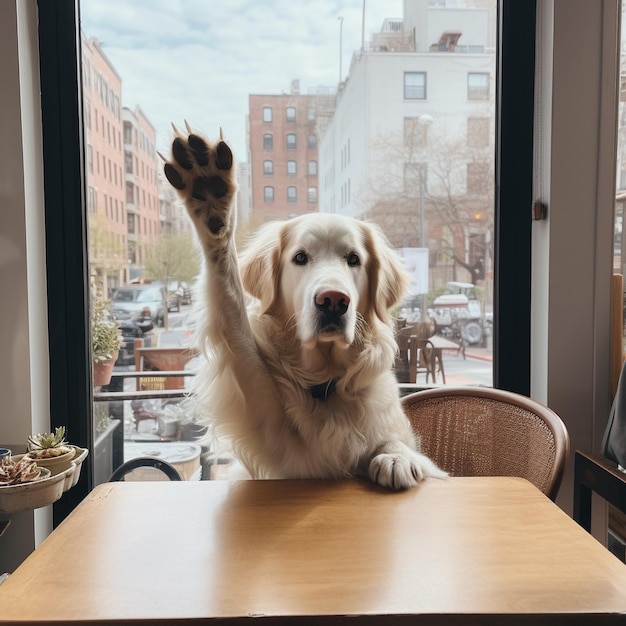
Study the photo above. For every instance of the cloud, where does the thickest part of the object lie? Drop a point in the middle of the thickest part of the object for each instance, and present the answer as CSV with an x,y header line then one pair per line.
x,y
200,59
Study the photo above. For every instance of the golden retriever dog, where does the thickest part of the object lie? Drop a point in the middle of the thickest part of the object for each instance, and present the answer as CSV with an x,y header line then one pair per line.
x,y
302,384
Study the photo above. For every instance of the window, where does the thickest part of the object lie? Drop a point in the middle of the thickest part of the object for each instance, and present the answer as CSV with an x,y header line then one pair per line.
x,y
478,132
267,114
292,194
415,132
291,141
268,168
291,168
311,114
312,142
268,194
268,141
312,194
291,114
477,86
414,85
478,175
312,168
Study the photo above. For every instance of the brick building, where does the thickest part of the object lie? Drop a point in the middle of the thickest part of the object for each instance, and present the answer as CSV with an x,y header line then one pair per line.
x,y
283,140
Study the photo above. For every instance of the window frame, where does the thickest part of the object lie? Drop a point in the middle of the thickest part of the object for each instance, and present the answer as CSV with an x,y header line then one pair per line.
x,y
482,91
66,230
424,87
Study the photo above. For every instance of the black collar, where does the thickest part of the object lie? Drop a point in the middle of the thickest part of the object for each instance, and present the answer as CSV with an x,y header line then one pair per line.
x,y
323,390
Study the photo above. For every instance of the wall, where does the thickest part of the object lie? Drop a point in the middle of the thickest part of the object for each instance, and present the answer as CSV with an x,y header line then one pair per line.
x,y
24,386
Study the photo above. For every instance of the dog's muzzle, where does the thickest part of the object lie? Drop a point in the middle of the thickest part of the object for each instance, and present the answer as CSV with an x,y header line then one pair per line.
x,y
331,307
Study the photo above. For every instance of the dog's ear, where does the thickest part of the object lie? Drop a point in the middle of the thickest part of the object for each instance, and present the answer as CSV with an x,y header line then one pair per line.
x,y
388,280
260,264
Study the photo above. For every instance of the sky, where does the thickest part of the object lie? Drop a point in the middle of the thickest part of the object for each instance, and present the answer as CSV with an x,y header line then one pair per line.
x,y
197,60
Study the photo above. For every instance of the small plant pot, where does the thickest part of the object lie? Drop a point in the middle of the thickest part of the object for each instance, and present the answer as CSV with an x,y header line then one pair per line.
x,y
102,371
56,464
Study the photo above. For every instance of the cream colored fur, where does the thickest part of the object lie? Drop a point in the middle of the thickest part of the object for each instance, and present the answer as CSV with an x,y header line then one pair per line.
x,y
262,360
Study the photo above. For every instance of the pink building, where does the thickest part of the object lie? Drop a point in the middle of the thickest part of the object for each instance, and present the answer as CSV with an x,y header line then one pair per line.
x,y
104,164
142,188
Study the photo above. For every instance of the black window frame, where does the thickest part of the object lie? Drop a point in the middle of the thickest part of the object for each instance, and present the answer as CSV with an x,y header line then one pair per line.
x,y
66,228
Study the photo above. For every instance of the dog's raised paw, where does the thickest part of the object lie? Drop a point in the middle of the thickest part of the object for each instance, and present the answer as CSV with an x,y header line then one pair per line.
x,y
203,174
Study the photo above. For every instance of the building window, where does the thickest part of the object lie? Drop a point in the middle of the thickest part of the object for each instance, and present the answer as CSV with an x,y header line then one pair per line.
x,y
291,114
267,114
311,114
478,132
415,133
291,141
128,132
292,194
268,194
268,141
477,86
268,168
291,168
128,160
478,178
312,142
130,224
312,168
312,194
415,85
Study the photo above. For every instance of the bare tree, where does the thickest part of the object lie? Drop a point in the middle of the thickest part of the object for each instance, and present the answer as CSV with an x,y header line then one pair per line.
x,y
450,181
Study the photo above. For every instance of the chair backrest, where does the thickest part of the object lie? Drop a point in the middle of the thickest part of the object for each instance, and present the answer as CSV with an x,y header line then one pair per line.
x,y
167,469
479,431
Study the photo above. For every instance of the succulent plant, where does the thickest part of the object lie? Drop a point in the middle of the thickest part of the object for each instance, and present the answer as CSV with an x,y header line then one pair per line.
x,y
48,445
16,472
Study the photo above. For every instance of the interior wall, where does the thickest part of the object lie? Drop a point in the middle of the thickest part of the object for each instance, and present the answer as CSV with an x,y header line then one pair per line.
x,y
572,249
23,329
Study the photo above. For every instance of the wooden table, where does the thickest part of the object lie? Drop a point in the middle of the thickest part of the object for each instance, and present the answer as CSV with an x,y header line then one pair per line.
x,y
456,551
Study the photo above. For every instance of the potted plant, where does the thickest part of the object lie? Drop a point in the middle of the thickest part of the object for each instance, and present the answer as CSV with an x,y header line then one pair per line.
x,y
106,340
51,450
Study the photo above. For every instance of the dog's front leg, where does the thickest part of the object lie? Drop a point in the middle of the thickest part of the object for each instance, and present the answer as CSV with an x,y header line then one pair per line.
x,y
203,173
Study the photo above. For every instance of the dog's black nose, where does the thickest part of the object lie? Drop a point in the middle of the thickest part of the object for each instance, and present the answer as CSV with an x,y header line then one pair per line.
x,y
332,304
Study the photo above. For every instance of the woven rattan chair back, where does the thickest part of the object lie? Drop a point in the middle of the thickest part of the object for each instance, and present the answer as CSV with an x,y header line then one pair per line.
x,y
476,431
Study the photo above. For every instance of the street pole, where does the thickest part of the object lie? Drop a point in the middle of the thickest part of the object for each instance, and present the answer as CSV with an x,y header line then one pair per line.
x,y
423,315
423,120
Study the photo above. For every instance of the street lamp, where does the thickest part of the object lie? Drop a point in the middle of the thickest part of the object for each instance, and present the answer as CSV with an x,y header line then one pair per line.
x,y
423,120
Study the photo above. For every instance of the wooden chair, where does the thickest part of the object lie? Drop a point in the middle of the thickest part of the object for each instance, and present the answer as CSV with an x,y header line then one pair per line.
x,y
416,354
479,431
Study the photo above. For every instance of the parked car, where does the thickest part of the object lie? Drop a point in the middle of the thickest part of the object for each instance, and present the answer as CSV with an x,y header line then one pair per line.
x,y
139,300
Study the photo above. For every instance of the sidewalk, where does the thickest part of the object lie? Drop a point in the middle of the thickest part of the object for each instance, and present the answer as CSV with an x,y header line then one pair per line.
x,y
476,352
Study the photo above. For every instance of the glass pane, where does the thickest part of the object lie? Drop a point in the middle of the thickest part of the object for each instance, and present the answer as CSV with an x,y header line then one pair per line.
x,y
404,139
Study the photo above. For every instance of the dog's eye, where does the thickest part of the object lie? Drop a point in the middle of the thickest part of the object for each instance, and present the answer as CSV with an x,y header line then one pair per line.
x,y
353,259
301,258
